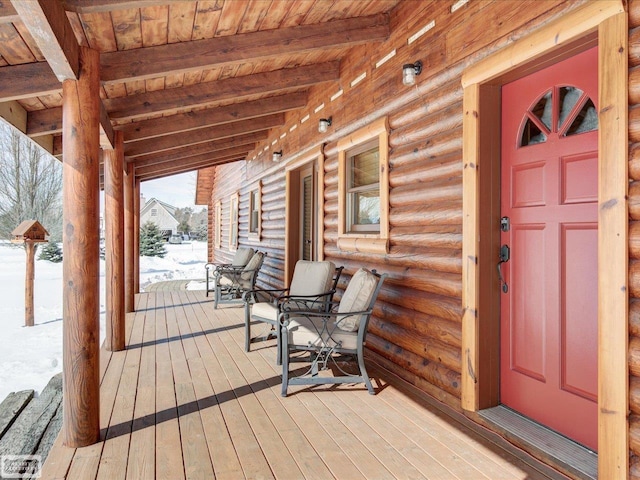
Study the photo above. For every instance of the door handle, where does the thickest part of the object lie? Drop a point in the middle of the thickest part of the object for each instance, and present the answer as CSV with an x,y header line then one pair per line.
x,y
505,255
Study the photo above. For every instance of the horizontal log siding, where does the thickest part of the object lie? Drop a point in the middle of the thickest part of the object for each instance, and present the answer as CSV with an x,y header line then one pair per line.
x,y
416,328
424,254
634,238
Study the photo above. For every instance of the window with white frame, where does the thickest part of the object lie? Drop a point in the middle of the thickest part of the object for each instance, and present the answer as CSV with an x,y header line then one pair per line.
x,y
218,225
233,222
363,189
255,203
154,212
362,203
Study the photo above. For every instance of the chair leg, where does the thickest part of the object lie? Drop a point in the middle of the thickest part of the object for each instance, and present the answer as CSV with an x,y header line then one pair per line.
x,y
278,344
363,371
284,357
247,327
207,290
216,297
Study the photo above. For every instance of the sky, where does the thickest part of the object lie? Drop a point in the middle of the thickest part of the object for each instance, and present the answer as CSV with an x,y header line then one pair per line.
x,y
177,190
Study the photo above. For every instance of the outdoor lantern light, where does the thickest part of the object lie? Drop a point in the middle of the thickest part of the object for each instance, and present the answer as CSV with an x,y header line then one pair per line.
x,y
323,124
277,156
409,72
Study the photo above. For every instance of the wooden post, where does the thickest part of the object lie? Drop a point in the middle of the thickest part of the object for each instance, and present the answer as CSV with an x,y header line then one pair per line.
x,y
114,255
136,236
129,239
30,248
81,268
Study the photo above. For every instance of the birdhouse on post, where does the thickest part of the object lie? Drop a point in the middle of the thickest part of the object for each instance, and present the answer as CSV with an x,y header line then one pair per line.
x,y
29,233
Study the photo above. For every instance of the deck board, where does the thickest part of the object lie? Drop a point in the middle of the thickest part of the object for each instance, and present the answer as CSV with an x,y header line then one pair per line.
x,y
185,401
168,454
141,463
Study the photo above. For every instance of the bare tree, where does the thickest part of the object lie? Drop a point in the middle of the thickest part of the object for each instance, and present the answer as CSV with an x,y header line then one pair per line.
x,y
30,184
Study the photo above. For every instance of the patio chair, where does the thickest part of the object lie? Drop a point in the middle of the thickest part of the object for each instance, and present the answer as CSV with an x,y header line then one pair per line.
x,y
324,339
240,259
312,287
230,283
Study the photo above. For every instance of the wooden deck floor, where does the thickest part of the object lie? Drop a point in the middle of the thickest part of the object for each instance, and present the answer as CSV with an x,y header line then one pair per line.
x,y
185,401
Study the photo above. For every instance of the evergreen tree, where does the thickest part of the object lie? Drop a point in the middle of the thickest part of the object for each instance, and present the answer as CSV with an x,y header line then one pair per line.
x,y
52,252
151,241
184,227
201,233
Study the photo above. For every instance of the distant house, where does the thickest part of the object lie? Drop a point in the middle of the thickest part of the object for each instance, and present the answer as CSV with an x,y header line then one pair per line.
x,y
162,214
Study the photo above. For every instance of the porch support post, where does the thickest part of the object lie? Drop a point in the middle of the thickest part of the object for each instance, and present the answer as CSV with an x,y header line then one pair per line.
x,y
129,292
114,255
136,236
81,268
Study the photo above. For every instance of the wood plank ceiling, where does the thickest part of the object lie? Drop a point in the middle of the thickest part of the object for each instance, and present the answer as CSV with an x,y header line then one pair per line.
x,y
191,84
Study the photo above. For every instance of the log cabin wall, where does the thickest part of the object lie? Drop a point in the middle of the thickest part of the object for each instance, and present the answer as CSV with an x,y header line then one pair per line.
x,y
416,328
634,237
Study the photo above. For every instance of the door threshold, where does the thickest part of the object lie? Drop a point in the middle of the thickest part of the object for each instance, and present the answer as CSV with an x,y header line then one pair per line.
x,y
554,449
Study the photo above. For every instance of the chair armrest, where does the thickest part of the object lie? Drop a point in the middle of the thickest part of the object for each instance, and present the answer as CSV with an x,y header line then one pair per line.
x,y
283,317
229,269
216,266
321,301
272,294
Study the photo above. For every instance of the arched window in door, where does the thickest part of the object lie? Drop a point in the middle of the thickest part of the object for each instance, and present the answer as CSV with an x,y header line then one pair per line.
x,y
565,110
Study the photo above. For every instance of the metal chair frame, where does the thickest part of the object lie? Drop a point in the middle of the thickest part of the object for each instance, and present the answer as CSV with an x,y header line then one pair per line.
x,y
281,298
234,292
326,352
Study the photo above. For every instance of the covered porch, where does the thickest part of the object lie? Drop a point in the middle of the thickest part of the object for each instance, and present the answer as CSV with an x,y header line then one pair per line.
x,y
184,400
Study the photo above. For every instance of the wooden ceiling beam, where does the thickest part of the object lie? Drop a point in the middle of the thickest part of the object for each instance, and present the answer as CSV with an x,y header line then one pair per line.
x,y
183,122
141,147
107,133
198,160
44,122
49,26
181,57
47,22
176,171
49,121
99,6
8,14
27,80
174,99
200,149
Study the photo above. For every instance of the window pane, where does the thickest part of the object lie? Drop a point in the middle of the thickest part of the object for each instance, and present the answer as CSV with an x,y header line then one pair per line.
x,y
569,96
543,110
531,134
254,213
586,120
366,207
364,168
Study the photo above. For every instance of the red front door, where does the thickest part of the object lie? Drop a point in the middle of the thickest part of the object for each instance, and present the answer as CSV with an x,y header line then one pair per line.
x,y
549,194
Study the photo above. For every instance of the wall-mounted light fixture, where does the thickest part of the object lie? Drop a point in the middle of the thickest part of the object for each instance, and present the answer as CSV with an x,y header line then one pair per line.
x,y
324,124
409,72
277,156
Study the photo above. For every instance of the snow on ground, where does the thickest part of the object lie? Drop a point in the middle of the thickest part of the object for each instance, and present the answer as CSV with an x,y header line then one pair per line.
x,y
30,356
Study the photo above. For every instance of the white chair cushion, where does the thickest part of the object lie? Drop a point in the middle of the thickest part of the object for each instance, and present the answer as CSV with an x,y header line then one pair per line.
x,y
247,271
225,281
265,310
309,331
356,298
242,256
312,278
